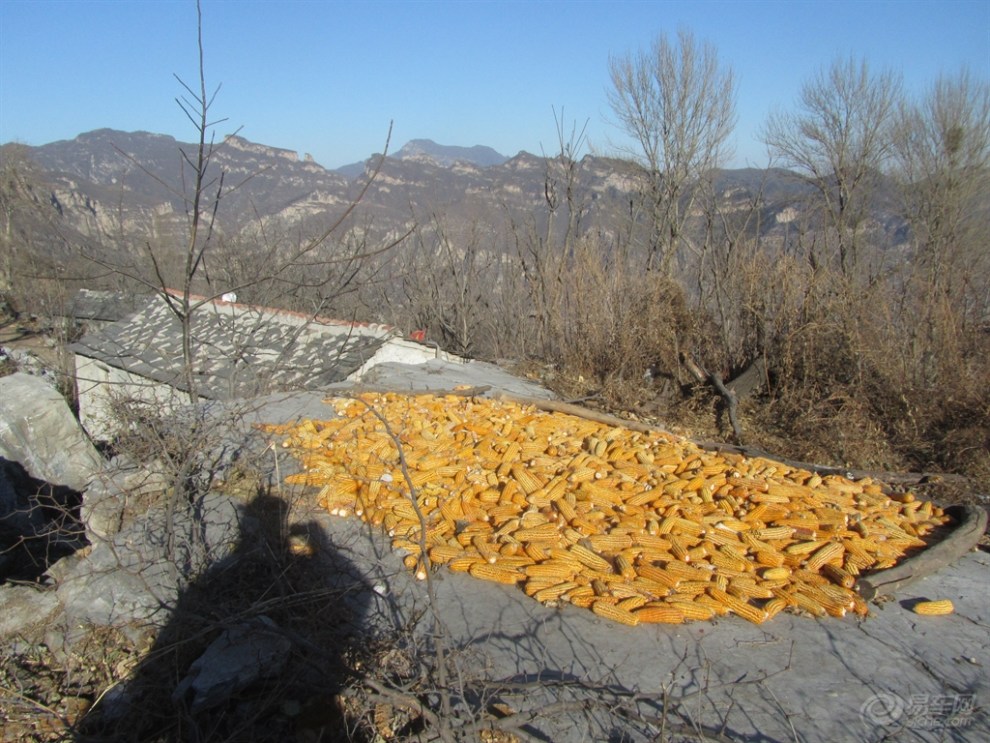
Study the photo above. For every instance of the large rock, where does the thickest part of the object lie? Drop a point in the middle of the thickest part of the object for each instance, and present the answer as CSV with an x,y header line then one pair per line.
x,y
38,430
24,607
136,577
241,655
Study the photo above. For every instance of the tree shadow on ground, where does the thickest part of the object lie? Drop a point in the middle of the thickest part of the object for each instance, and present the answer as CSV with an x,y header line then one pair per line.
x,y
274,633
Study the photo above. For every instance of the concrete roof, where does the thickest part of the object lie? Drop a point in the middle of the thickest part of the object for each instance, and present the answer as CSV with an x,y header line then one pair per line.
x,y
239,351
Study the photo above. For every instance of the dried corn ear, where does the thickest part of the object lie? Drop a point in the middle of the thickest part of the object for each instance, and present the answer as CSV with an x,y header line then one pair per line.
x,y
597,516
934,608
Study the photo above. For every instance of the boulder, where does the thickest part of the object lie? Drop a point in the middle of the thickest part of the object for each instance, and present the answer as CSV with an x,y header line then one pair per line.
x,y
242,654
133,578
38,430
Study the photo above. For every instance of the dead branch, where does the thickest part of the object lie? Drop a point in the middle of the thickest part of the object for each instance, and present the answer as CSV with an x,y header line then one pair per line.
x,y
971,523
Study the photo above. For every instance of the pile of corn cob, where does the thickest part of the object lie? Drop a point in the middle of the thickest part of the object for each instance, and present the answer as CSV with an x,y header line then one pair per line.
x,y
638,527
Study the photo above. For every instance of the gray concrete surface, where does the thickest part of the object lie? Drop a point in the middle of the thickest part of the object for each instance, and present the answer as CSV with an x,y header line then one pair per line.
x,y
894,676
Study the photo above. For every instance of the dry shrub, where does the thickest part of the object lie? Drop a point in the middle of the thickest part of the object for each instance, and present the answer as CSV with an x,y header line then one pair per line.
x,y
878,375
617,325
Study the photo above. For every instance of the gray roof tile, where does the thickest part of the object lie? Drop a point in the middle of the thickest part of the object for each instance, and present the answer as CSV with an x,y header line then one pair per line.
x,y
239,351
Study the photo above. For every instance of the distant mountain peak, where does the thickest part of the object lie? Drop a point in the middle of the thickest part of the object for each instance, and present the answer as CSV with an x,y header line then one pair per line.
x,y
426,150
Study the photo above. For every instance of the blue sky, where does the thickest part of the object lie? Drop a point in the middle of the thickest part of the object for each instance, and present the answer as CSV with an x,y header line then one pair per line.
x,y
326,77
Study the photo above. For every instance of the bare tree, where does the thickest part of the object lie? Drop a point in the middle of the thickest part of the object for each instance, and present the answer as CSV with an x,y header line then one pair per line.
x,y
303,264
942,150
677,102
545,243
838,141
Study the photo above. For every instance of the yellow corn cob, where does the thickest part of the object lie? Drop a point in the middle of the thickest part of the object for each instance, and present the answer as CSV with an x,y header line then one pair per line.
x,y
486,549
584,474
612,542
581,600
825,554
442,553
511,454
803,548
836,594
555,569
590,559
632,602
838,575
511,549
934,608
808,603
496,573
770,498
542,533
658,575
530,519
624,567
527,481
738,606
692,610
686,572
775,573
658,613
859,605
721,537
773,532
555,592
747,589
566,509
835,606
692,587
717,606
774,606
681,547
532,586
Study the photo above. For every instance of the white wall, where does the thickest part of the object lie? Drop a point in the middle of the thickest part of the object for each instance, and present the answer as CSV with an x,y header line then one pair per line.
x,y
100,384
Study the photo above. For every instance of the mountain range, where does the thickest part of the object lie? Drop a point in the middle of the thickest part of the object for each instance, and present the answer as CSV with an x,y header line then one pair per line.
x,y
109,182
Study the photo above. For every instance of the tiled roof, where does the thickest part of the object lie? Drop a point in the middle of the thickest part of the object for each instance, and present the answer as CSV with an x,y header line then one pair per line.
x,y
105,306
239,351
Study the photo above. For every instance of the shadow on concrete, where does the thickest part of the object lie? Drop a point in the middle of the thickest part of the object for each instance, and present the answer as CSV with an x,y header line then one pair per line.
x,y
257,649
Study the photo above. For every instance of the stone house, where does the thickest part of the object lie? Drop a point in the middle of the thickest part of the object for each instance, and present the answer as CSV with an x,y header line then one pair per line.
x,y
240,351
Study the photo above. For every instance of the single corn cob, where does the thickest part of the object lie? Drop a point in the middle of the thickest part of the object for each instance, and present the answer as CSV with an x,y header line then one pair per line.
x,y
692,610
496,573
934,608
552,569
612,542
442,553
659,613
829,552
542,533
555,592
738,606
590,559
